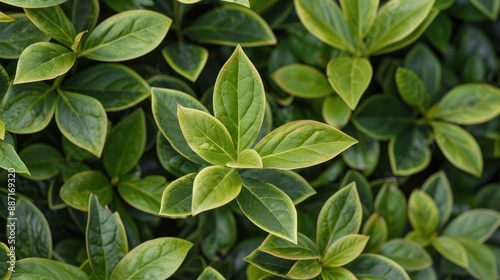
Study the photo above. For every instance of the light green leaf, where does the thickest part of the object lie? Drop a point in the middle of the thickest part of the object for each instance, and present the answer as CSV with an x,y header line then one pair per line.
x,y
43,61
164,103
423,212
408,254
344,250
438,188
143,194
305,269
40,268
304,249
125,144
33,238
360,16
2,130
412,89
480,258
325,20
209,273
9,159
214,186
5,18
177,197
247,159
239,100
157,259
336,273
340,215
43,161
469,104
409,152
302,81
18,35
489,8
477,224
451,249
126,35
301,144
335,111
349,78
53,22
8,257
376,228
390,204
106,240
186,59
33,3
395,20
206,135
82,120
269,208
245,3
188,1
76,191
459,147
28,108
116,86
246,28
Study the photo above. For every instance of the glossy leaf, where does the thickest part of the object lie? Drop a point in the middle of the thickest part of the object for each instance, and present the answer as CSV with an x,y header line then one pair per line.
x,y
481,260
186,59
377,266
5,18
489,8
304,269
451,249
239,100
376,228
390,203
409,152
247,159
422,61
171,160
340,215
82,120
125,144
157,258
125,5
270,263
18,35
302,81
335,111
304,249
177,197
412,89
423,212
439,32
269,208
477,224
344,250
360,16
438,188
209,273
301,144
459,147
349,78
53,22
82,13
362,185
38,268
126,35
33,236
406,253
76,191
144,194
10,159
246,28
43,61
220,232
363,156
43,161
337,273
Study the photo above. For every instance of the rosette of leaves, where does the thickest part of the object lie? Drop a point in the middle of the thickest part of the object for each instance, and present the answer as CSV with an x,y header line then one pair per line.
x,y
223,146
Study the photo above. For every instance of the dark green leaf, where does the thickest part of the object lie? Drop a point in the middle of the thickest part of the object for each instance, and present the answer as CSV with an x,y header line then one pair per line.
x,y
390,203
407,254
377,266
43,161
171,160
18,35
438,188
409,152
38,268
363,156
33,238
376,228
82,13
53,22
489,8
270,263
412,89
144,194
125,5
76,191
439,32
421,60
186,59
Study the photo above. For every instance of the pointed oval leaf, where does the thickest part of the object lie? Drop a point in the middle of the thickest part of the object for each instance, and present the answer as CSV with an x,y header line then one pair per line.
x,y
451,249
269,208
302,144
412,89
409,152
33,3
82,120
33,238
186,59
390,203
157,258
206,135
305,269
477,224
28,108
43,61
10,159
53,22
376,228
171,160
349,77
337,273
422,61
43,161
335,111
143,194
340,215
82,13
76,191
126,35
302,81
5,18
247,28
177,197
344,250
209,273
247,159
407,254
480,259
360,16
378,267
304,249
38,268
459,147
18,35
363,156
362,186
239,100
438,188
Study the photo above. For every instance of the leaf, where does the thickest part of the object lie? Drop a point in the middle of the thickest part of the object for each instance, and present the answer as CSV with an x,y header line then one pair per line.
x,y
33,237
247,159
344,250
82,120
302,81
164,103
390,204
305,248
373,118
360,16
335,111
477,224
438,188
10,160
459,147
18,35
43,161
395,20
126,35
40,268
365,155
439,32
423,212
489,8
214,186
325,21
33,3
76,191
270,263
116,86
171,160
422,61
186,59
362,186
376,228
469,104
43,61
82,13
305,269
125,144
239,100
407,254
177,197
125,5
53,22
157,258
5,18
451,249
269,208
340,215
220,232
106,240
209,273
349,78
27,108
301,144
409,152
481,260
143,194
412,89
337,273
376,266
246,28
206,135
